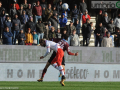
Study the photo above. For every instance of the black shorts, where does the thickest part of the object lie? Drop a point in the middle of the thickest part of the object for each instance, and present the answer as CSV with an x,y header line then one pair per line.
x,y
53,56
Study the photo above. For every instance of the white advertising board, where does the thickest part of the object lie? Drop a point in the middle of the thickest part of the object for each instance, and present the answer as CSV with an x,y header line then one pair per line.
x,y
87,55
74,72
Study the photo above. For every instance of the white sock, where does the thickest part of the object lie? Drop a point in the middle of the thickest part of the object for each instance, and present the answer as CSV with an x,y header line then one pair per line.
x,y
61,70
55,66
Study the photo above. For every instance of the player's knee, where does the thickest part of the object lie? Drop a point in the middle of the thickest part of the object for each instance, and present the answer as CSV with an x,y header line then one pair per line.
x,y
47,65
63,67
45,70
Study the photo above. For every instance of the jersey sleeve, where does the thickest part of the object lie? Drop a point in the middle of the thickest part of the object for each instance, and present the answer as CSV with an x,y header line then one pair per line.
x,y
48,50
68,50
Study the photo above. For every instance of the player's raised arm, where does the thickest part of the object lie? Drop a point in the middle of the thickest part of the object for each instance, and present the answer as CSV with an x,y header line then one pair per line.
x,y
69,52
45,44
65,46
48,50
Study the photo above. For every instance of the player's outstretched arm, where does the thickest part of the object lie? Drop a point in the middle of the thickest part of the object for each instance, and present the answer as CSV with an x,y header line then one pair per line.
x,y
73,54
47,52
41,57
76,54
70,53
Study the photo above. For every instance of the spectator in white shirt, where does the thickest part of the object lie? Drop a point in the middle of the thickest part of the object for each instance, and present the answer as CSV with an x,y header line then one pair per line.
x,y
74,39
107,41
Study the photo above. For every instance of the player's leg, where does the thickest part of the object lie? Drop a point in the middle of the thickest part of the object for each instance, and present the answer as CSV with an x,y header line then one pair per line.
x,y
63,75
63,65
60,59
60,68
46,67
53,63
56,62
55,66
44,71
63,68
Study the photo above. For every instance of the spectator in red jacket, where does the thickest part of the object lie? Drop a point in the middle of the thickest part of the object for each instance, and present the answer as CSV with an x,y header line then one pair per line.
x,y
16,5
85,16
37,11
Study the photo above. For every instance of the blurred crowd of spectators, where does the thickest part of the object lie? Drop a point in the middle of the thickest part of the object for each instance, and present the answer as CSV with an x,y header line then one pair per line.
x,y
29,22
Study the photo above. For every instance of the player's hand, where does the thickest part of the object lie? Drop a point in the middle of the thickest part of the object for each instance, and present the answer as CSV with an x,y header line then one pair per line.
x,y
76,54
41,57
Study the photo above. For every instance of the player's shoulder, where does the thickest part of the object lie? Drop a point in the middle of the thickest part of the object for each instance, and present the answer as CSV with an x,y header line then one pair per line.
x,y
61,41
67,44
48,42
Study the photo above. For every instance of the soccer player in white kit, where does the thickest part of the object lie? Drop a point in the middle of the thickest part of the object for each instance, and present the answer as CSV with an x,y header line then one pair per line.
x,y
56,62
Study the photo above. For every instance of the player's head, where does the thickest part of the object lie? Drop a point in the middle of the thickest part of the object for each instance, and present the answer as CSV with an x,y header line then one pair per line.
x,y
66,37
42,42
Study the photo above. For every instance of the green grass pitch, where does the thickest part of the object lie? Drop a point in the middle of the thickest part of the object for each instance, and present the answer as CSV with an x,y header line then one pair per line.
x,y
57,86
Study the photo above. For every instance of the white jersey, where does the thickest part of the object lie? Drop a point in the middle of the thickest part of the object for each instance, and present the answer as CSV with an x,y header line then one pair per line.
x,y
51,46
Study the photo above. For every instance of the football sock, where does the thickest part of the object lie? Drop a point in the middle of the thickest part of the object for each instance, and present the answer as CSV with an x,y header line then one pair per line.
x,y
55,66
43,73
61,70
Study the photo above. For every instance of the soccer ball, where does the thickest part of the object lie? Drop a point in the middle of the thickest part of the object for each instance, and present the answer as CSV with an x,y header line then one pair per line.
x,y
65,6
